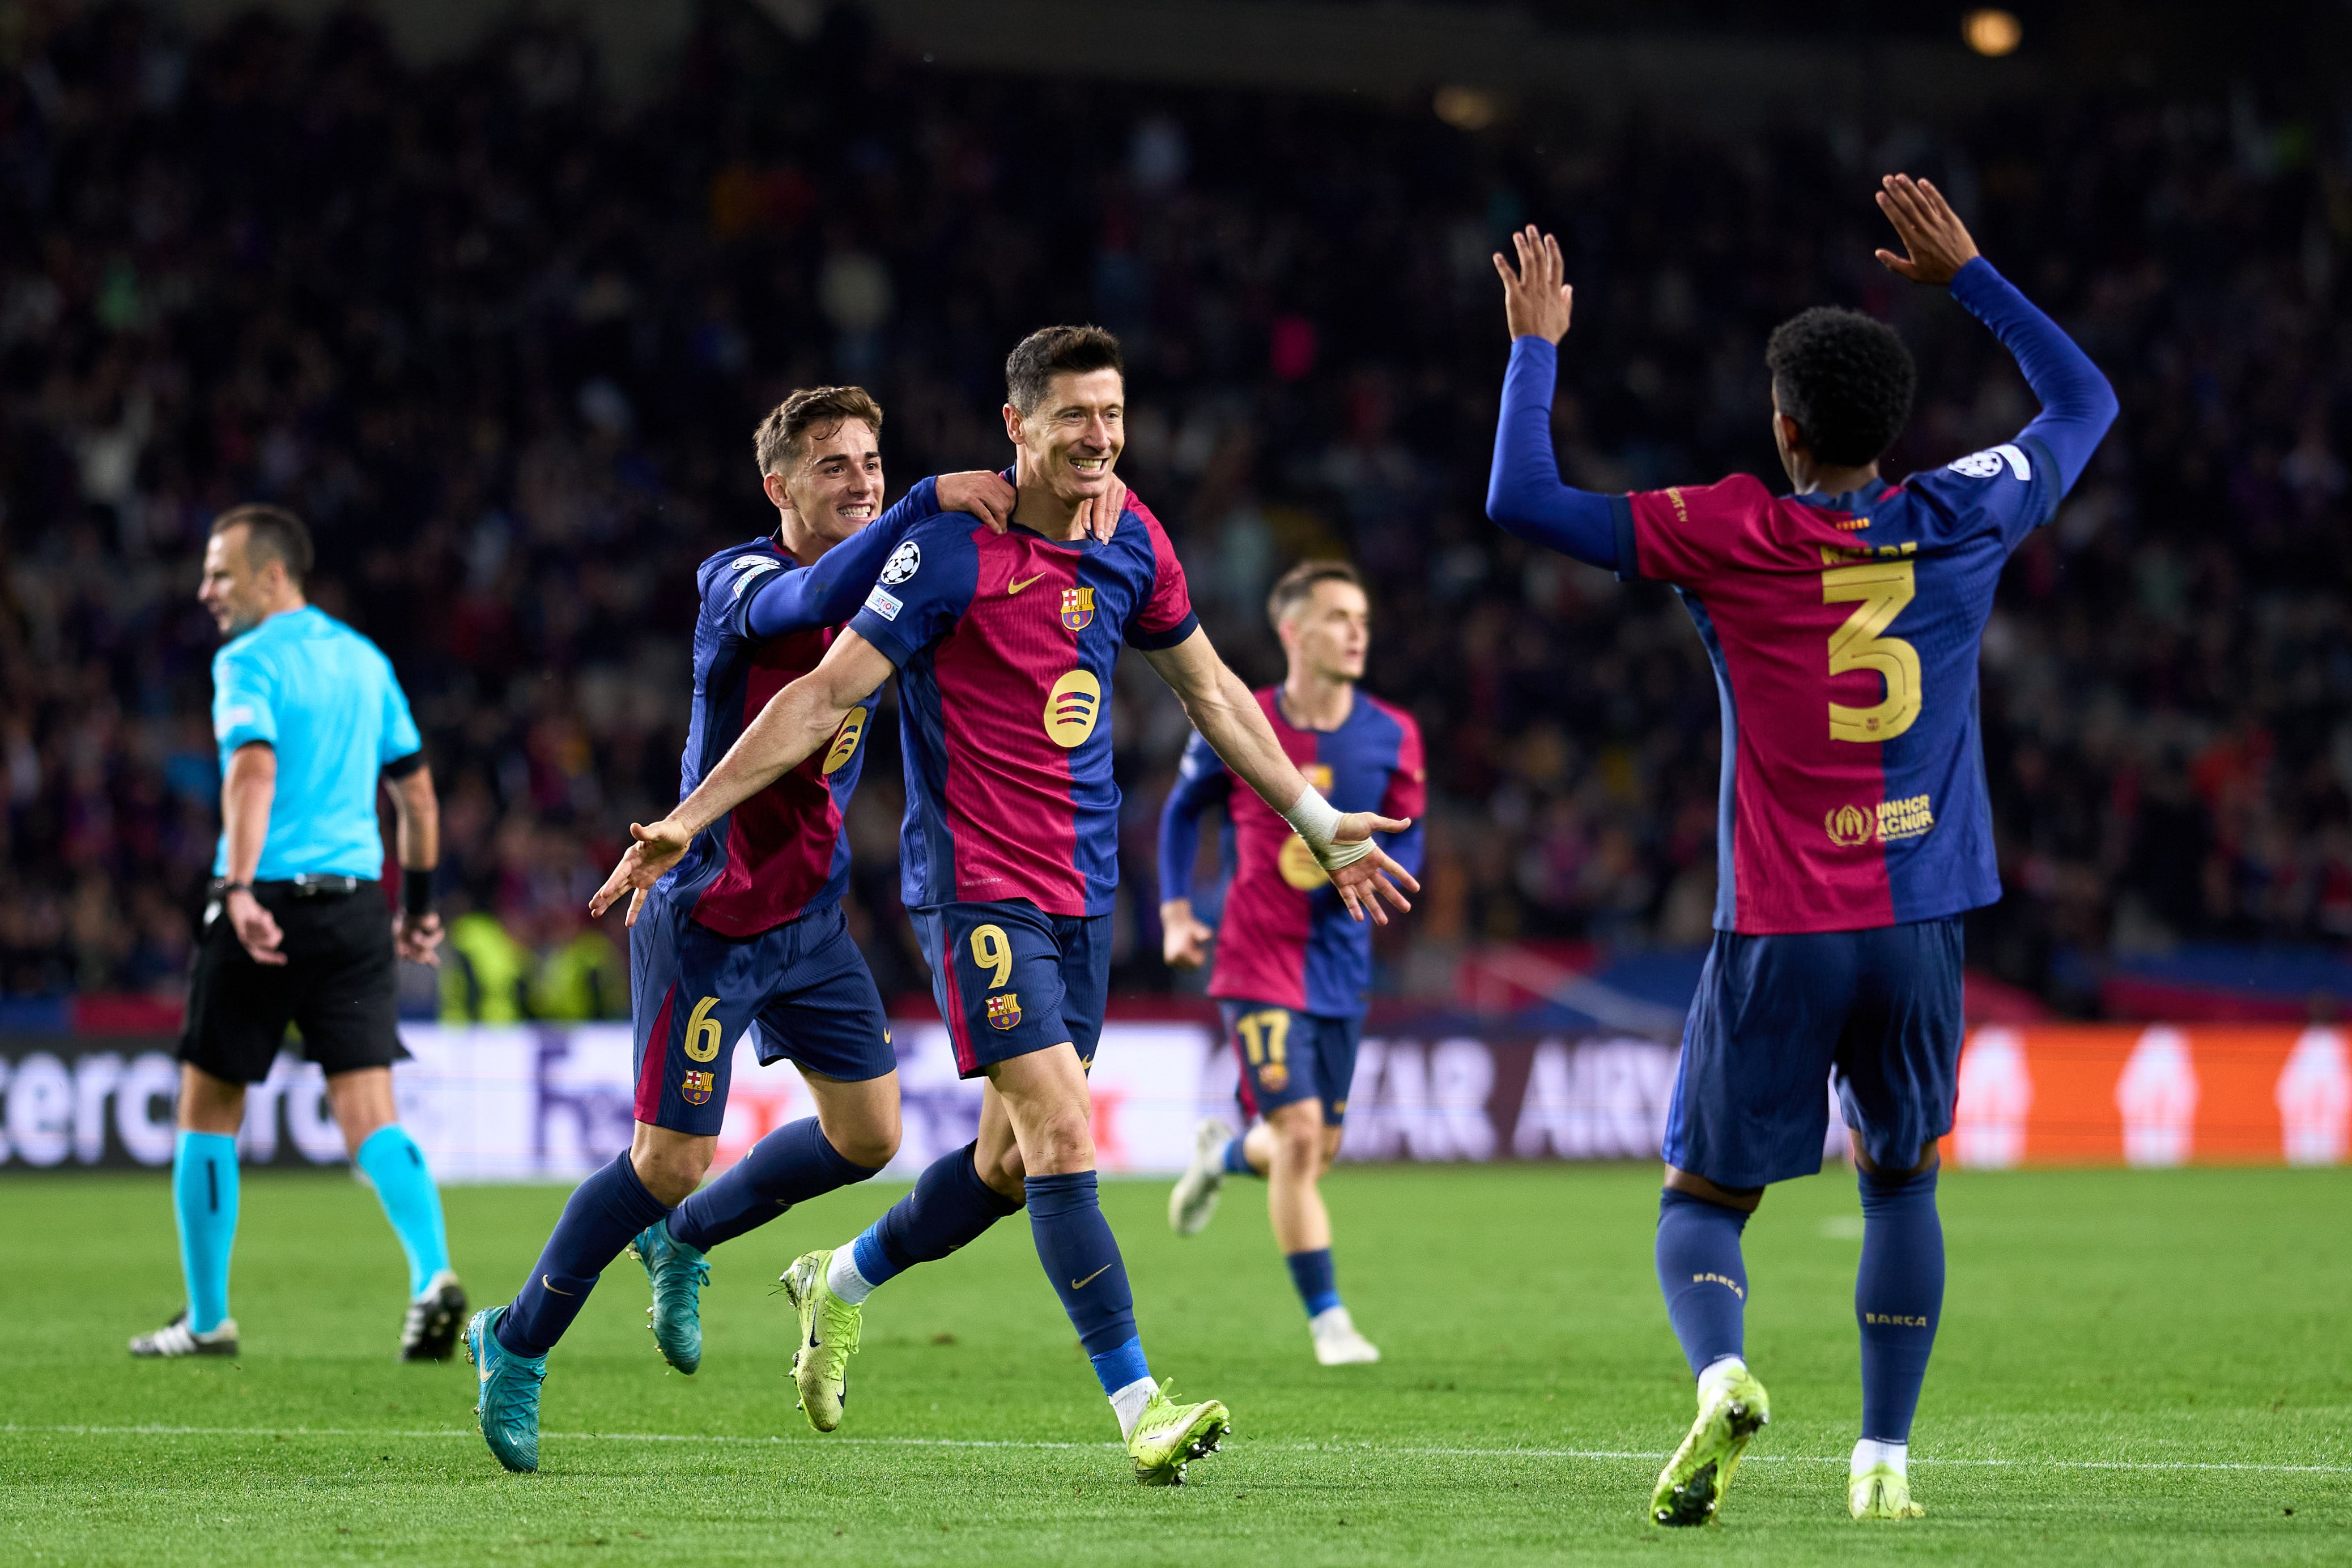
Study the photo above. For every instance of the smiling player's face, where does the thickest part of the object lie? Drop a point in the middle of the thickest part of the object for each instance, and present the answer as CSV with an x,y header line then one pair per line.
x,y
1071,441
836,486
1327,635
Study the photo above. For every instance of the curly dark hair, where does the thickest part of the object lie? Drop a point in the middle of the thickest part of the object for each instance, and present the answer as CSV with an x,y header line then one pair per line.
x,y
1845,378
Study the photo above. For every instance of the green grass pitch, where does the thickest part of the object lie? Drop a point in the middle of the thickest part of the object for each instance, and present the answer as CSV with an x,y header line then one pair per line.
x,y
2142,1367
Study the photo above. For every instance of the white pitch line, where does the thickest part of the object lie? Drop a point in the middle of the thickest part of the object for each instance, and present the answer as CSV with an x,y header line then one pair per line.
x,y
1363,1448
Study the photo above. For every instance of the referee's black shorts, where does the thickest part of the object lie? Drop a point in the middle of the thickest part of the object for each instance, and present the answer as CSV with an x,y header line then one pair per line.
x,y
339,985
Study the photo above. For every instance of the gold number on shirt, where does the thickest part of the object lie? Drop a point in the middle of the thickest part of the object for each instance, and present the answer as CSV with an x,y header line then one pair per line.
x,y
1878,589
1264,1035
989,950
704,1034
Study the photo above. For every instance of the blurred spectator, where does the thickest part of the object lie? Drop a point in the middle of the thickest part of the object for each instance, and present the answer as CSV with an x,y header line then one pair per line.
x,y
504,347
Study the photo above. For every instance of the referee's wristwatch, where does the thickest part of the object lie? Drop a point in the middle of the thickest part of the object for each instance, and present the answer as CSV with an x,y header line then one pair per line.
x,y
229,887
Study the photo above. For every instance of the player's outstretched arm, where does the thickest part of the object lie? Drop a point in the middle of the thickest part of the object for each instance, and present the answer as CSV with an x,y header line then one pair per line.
x,y
1201,781
2077,403
795,724
1524,495
1230,720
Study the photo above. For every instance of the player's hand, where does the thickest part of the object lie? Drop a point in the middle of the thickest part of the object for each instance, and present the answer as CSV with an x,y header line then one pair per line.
x,y
1365,883
1183,939
256,929
1099,515
1939,242
1536,298
415,937
985,494
657,848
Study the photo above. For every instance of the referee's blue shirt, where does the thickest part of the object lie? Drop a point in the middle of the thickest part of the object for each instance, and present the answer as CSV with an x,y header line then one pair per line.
x,y
325,698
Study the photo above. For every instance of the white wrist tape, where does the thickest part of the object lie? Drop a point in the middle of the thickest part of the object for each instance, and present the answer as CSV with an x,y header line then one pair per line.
x,y
1317,820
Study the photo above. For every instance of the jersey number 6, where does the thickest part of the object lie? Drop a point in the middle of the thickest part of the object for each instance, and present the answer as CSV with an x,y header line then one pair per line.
x,y
704,1034
1883,589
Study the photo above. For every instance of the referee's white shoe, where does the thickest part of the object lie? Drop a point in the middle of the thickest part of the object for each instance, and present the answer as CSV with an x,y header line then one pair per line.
x,y
434,1318
175,1338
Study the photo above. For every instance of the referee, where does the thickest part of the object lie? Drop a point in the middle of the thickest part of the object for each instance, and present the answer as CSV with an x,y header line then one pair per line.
x,y
309,718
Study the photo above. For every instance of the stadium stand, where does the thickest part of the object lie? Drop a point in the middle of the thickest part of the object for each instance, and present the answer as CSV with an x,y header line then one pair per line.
x,y
503,344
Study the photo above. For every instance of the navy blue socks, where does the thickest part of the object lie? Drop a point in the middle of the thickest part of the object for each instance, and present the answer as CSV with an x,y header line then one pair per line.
x,y
1236,1160
792,1163
949,1207
1897,1296
1311,1272
1702,1276
604,1213
1081,1257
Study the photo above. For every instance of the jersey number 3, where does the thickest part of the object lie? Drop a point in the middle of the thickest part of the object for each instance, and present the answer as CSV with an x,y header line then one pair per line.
x,y
1882,589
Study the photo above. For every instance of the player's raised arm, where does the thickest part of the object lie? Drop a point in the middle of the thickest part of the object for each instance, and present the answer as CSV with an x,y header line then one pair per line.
x,y
2077,403
1230,720
1524,493
795,722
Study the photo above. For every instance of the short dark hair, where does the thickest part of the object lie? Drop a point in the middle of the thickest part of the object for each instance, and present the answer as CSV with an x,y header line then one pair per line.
x,y
1293,587
783,435
271,533
1050,352
1845,378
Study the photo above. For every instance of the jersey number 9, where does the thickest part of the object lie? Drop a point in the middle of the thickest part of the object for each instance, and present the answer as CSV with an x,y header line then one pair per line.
x,y
1883,589
989,950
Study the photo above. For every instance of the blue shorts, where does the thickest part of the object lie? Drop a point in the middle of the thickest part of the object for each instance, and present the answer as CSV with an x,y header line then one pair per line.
x,y
1009,979
1288,1056
1877,1013
693,992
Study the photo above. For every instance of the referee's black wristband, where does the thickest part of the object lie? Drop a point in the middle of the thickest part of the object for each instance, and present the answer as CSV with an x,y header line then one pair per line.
x,y
416,892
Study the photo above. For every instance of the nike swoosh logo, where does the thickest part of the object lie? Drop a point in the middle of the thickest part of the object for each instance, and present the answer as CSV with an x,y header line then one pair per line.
x,y
1013,587
1082,1284
556,1288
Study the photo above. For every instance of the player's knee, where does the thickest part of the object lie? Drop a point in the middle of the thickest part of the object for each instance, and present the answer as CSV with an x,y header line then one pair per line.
x,y
672,1171
871,1144
1298,1146
1064,1141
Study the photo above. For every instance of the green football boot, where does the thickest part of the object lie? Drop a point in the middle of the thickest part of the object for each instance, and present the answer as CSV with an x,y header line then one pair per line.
x,y
1170,1436
678,1273
1691,1485
507,1409
1881,1492
829,1328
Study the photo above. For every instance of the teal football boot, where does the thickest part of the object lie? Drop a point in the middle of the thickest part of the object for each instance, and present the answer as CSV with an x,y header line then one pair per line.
x,y
507,1409
677,1273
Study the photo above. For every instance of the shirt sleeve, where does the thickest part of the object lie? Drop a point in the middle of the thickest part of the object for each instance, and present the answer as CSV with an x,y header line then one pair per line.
x,y
1166,617
1687,533
1524,493
398,736
801,599
926,584
1201,781
2011,489
2077,403
245,693
1407,796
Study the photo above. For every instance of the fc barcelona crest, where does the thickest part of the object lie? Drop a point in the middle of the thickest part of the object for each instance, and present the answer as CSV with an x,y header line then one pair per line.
x,y
1004,1009
1077,608
694,1088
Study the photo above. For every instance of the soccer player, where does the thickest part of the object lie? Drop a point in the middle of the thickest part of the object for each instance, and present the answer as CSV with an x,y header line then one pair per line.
x,y
311,725
747,929
1291,969
1843,622
1004,645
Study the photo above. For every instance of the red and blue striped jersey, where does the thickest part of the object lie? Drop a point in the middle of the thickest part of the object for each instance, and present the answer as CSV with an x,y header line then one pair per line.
x,y
1286,938
1844,631
782,852
1004,644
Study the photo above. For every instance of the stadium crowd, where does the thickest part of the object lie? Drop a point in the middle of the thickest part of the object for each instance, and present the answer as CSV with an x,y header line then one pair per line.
x,y
503,344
